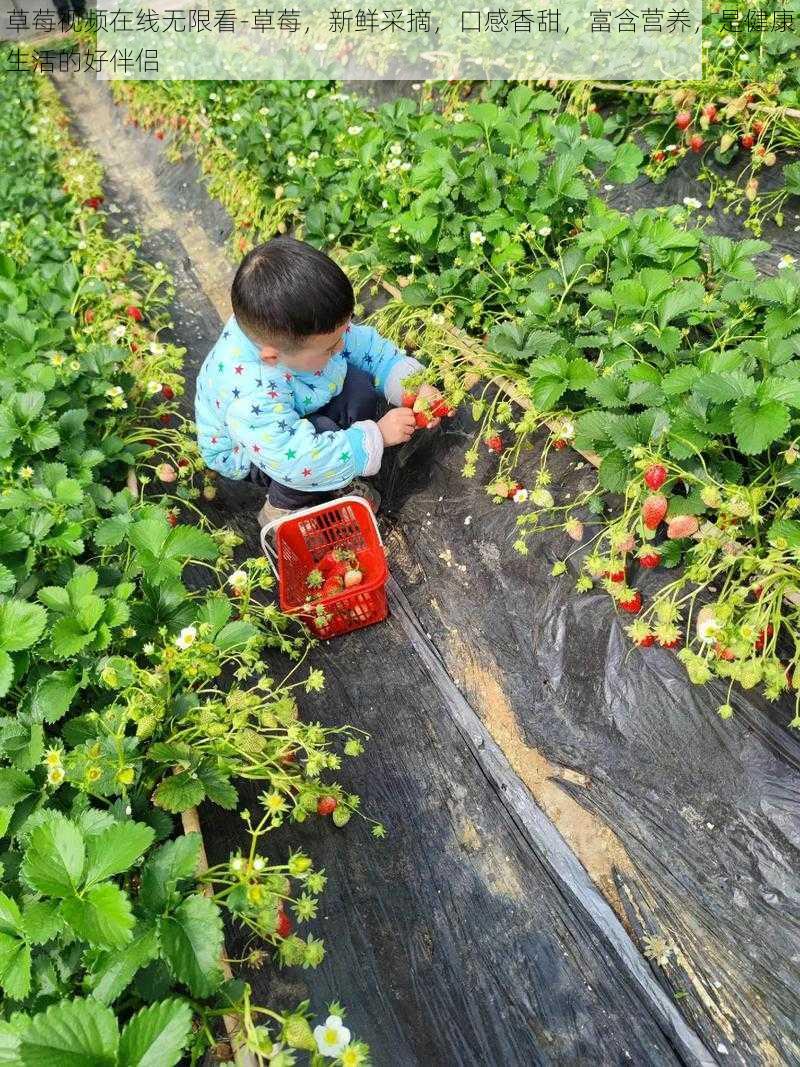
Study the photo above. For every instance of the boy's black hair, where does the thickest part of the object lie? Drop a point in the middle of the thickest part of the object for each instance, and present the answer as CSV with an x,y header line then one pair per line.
x,y
287,291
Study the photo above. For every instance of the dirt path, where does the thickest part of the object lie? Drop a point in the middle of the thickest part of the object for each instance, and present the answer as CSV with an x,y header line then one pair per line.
x,y
474,934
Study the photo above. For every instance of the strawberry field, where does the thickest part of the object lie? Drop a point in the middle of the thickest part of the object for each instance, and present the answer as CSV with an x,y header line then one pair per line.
x,y
583,710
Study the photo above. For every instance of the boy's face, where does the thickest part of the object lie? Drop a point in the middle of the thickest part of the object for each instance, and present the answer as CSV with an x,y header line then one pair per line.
x,y
313,355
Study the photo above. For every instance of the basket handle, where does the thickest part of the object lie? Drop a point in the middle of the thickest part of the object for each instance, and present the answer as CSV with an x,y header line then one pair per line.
x,y
266,544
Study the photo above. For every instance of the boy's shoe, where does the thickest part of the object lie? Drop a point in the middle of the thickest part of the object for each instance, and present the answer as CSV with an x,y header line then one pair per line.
x,y
359,487
269,513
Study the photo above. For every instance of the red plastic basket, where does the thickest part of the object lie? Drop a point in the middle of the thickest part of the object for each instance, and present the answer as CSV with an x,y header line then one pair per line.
x,y
302,539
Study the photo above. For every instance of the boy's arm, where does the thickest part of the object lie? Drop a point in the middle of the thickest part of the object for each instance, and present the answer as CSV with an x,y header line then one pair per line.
x,y
289,448
385,362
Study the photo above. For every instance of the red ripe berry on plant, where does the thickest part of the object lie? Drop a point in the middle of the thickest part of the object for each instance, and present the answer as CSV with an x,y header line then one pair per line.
x,y
683,120
494,443
653,510
284,926
649,559
633,602
327,805
655,476
696,142
134,313
168,392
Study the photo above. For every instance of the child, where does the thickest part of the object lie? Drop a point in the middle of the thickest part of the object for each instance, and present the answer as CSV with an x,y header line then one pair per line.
x,y
288,394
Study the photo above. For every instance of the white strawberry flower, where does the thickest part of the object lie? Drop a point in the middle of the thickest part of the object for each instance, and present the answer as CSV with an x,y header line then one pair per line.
x,y
459,116
236,117
728,41
520,496
708,625
153,387
354,131
396,148
405,166
544,231
186,638
238,579
311,94
692,203
476,238
117,333
786,261
393,163
313,156
332,1038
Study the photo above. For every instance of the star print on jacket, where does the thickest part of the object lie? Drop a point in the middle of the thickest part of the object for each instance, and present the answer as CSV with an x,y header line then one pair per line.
x,y
239,407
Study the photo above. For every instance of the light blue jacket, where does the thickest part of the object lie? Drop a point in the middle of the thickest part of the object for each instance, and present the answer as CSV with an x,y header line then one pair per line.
x,y
248,412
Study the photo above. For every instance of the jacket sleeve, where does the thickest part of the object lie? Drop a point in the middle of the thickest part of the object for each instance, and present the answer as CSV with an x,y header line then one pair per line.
x,y
290,450
365,348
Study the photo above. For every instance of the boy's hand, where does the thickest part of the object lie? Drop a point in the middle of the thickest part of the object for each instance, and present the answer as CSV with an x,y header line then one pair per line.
x,y
427,398
397,426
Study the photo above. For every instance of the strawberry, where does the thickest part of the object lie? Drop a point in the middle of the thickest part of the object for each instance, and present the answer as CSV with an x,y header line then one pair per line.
x,y
159,135
353,577
653,510
710,112
495,444
633,604
421,419
747,141
409,399
616,576
284,926
327,805
151,441
134,313
762,637
757,591
658,157
758,127
513,489
696,143
559,443
168,392
183,463
649,559
332,586
670,644
93,202
172,519
682,526
683,120
287,757
655,476
165,418
89,316
134,347
723,652
442,410
646,641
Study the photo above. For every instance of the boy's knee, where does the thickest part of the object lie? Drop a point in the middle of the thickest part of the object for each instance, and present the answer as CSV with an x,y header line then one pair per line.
x,y
322,423
362,398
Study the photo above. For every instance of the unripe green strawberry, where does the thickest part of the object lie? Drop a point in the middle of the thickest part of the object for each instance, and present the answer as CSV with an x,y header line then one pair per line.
x,y
341,816
146,725
250,742
297,1033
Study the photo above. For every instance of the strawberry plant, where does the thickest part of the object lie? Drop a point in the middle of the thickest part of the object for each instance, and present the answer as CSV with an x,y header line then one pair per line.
x,y
127,697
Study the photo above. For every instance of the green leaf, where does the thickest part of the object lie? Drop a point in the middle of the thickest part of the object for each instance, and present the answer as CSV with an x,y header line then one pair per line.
x,y
757,425
173,862
53,696
680,379
178,792
68,638
54,856
191,939
187,542
102,916
41,921
614,472
120,966
115,849
73,1033
420,229
10,918
14,786
111,532
234,635
720,388
156,1036
787,530
149,535
21,624
625,167
6,672
15,967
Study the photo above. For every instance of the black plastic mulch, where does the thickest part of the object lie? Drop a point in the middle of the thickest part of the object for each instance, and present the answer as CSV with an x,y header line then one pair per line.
x,y
471,935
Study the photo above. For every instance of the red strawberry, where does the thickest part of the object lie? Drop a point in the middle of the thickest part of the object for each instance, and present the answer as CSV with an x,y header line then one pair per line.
x,y
757,591
409,400
151,441
616,576
168,392
724,653
655,476
159,135
89,316
670,644
183,462
284,927
332,586
653,510
682,526
165,418
633,604
696,143
93,202
646,641
514,488
495,444
758,127
559,443
287,758
659,157
710,112
421,419
649,559
747,141
683,120
327,805
133,313
442,410
134,347
762,637
172,519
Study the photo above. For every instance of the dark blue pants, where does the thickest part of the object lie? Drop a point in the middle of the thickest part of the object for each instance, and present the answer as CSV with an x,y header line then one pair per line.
x,y
357,401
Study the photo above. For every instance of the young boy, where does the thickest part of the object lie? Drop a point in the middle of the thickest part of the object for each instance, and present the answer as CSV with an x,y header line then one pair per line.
x,y
288,394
